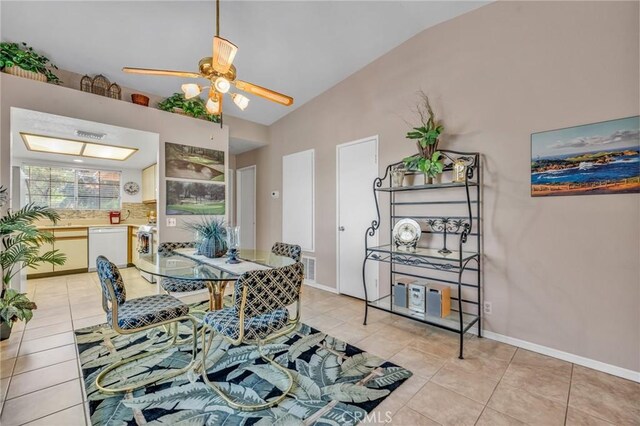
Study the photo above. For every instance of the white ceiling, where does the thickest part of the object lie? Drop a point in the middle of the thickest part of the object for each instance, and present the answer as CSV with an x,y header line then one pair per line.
x,y
300,48
40,123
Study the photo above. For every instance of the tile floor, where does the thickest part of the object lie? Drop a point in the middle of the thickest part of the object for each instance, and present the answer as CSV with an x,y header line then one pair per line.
x,y
496,384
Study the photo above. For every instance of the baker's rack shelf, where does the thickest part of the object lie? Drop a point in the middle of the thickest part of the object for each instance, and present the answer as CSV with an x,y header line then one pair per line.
x,y
449,209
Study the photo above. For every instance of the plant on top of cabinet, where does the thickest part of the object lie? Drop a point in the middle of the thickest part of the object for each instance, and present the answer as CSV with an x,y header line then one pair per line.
x,y
21,241
427,160
23,61
194,107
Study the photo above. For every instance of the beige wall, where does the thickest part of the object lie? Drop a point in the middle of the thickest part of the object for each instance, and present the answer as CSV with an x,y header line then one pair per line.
x,y
561,272
28,94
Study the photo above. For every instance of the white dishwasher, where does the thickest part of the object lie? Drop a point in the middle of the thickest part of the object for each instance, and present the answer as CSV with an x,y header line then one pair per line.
x,y
110,242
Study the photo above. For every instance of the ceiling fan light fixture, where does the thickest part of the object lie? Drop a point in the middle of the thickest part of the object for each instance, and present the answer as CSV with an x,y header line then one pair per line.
x,y
191,90
241,101
213,105
222,85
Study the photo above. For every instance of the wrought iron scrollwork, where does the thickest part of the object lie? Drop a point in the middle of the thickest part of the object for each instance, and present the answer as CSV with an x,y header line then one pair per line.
x,y
419,261
447,225
470,161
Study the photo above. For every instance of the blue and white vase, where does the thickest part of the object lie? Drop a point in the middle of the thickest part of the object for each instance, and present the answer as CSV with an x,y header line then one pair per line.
x,y
208,248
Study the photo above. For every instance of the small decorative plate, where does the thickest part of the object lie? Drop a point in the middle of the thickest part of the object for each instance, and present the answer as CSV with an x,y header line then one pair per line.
x,y
131,188
406,234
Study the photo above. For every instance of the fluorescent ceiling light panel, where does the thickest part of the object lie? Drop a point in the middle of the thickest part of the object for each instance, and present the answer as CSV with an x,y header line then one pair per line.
x,y
107,151
52,145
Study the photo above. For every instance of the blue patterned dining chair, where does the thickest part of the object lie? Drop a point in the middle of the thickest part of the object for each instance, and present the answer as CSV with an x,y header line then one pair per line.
x,y
135,315
259,315
287,250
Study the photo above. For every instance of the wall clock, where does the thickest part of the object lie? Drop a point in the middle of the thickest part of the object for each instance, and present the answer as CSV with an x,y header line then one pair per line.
x,y
131,188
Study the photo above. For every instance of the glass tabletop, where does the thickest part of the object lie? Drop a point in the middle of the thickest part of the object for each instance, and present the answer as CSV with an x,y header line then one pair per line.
x,y
185,264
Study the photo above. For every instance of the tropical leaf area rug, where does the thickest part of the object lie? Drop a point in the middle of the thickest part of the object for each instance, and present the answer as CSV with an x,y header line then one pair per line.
x,y
335,383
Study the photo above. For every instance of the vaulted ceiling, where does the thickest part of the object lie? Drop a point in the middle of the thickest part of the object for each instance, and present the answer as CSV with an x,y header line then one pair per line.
x,y
300,48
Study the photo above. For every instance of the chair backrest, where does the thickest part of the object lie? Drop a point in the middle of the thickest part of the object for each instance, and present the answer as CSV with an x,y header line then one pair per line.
x,y
110,277
288,250
269,289
169,247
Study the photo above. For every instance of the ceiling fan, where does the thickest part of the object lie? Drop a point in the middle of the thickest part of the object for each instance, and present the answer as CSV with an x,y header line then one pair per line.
x,y
221,72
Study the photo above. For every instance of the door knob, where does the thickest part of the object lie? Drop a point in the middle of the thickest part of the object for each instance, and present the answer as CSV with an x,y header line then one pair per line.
x,y
341,228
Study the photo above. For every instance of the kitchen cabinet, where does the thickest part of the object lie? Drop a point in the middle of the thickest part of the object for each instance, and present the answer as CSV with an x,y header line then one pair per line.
x,y
72,242
149,179
43,268
134,248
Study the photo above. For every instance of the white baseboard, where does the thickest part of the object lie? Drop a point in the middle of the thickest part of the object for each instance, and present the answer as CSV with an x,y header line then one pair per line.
x,y
321,287
565,356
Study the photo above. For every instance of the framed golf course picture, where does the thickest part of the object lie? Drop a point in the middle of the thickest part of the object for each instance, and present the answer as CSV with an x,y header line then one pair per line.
x,y
192,162
195,198
598,158
195,180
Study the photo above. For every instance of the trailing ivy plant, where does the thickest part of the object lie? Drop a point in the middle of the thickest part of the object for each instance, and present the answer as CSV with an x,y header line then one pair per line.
x,y
23,56
194,107
431,166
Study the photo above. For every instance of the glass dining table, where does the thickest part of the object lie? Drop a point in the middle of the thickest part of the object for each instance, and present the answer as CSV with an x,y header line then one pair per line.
x,y
216,273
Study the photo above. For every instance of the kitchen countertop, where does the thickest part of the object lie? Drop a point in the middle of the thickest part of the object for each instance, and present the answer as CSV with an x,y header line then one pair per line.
x,y
90,225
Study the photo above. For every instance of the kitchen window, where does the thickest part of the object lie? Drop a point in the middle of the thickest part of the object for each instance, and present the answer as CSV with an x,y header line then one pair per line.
x,y
71,188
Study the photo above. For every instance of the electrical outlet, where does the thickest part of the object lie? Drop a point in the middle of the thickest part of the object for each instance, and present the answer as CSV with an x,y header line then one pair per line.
x,y
487,308
171,221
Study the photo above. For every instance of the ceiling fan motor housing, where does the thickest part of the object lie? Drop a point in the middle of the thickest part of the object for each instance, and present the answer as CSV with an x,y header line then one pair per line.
x,y
206,69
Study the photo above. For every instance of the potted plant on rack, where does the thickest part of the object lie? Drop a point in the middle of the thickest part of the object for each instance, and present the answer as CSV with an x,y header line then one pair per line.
x,y
211,237
23,61
427,160
194,107
21,241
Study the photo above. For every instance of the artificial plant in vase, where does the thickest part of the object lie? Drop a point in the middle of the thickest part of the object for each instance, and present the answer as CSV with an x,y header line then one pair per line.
x,y
23,61
211,236
21,241
427,160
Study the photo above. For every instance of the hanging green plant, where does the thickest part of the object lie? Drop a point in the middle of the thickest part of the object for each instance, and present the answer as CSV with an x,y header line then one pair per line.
x,y
24,57
194,107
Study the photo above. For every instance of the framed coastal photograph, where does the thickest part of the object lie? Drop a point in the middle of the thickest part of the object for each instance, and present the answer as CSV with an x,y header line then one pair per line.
x,y
598,158
192,162
198,198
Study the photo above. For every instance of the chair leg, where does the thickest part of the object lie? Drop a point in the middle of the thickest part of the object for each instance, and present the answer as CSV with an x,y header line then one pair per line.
x,y
224,396
141,384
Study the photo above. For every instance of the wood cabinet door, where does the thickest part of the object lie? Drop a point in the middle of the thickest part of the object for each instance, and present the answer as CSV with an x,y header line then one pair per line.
x,y
149,184
134,249
77,251
43,268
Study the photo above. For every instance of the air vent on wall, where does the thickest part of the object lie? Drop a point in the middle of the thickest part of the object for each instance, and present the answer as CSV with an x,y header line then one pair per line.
x,y
309,268
90,135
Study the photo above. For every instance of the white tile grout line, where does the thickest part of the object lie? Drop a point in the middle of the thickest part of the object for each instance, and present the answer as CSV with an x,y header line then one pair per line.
x,y
79,367
55,412
22,332
494,390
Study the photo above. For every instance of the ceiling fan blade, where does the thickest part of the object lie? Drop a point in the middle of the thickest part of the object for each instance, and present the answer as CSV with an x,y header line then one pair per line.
x,y
263,92
223,53
169,73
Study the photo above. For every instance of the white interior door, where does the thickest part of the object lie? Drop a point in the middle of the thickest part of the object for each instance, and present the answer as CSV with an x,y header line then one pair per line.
x,y
246,203
357,167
